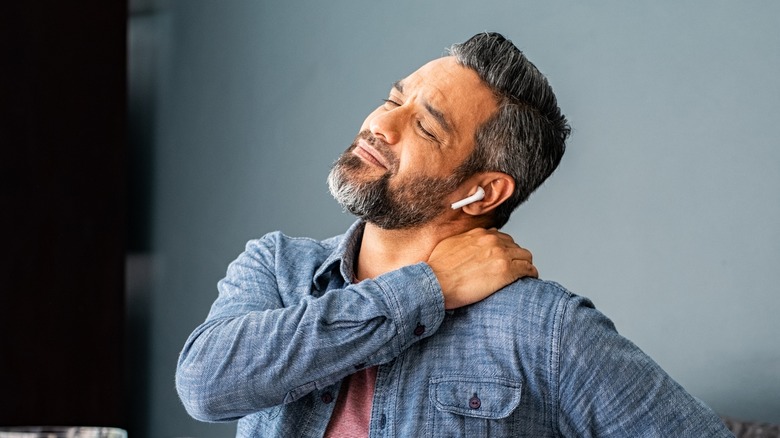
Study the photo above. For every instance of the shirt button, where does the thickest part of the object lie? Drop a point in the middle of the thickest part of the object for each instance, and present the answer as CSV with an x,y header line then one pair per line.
x,y
475,402
382,421
326,397
419,330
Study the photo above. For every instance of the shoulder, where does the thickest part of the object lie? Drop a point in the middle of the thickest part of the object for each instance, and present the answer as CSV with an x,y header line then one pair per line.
x,y
540,306
277,239
528,305
290,260
277,244
536,293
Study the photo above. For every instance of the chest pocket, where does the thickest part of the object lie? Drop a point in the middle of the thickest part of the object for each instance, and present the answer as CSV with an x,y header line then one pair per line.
x,y
473,406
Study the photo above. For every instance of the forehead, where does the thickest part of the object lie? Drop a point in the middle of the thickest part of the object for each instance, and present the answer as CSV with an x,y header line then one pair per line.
x,y
454,90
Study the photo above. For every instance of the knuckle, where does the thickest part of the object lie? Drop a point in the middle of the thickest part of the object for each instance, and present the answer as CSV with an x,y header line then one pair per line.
x,y
501,265
489,239
497,253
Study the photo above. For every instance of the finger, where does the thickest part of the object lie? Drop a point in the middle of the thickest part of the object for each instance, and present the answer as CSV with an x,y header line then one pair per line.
x,y
524,268
494,238
505,237
535,272
476,230
519,253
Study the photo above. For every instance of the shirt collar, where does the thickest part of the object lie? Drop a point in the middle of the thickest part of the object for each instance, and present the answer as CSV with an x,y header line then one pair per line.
x,y
343,257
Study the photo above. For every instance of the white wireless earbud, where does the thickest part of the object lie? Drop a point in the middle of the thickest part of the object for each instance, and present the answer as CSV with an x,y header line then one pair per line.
x,y
473,198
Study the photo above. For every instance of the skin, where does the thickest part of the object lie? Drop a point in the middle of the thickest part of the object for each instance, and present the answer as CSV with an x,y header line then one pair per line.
x,y
428,122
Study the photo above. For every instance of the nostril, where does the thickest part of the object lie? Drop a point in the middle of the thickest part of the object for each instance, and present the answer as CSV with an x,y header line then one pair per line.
x,y
385,127
384,136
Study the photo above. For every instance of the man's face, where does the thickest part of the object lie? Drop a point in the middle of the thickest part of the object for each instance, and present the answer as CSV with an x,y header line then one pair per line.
x,y
402,165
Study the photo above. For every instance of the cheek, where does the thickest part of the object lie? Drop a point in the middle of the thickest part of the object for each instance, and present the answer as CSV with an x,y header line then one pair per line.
x,y
419,159
423,159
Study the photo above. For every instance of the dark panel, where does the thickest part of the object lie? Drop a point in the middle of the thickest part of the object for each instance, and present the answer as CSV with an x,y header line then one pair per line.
x,y
62,130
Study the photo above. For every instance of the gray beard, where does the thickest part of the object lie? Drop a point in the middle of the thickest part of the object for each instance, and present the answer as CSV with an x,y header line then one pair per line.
x,y
414,200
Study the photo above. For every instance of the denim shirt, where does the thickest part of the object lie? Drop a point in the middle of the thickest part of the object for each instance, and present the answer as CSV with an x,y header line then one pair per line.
x,y
532,360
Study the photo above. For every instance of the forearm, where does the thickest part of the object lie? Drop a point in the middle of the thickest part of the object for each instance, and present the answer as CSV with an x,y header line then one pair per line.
x,y
242,360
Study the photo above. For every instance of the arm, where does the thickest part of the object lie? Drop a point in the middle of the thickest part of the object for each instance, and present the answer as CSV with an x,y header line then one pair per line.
x,y
609,387
258,348
269,341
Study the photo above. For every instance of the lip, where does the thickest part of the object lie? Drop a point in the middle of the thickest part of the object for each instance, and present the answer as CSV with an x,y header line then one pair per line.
x,y
369,154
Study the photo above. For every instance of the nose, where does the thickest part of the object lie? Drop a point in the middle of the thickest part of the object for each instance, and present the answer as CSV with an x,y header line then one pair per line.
x,y
387,126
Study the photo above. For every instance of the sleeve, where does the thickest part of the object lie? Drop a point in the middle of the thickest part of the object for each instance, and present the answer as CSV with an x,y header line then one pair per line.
x,y
608,387
255,350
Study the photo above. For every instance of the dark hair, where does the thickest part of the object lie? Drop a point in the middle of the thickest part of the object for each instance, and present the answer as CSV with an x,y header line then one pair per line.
x,y
526,137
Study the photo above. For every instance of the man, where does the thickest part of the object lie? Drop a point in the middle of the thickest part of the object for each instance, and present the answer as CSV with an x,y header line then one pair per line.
x,y
414,322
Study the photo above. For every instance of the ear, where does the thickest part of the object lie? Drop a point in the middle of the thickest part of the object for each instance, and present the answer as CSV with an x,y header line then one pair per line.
x,y
498,188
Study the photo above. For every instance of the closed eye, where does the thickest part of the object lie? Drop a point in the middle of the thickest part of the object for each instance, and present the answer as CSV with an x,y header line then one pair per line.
x,y
426,132
391,102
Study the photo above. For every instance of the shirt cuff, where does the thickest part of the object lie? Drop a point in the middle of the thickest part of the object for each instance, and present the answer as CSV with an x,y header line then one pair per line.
x,y
415,297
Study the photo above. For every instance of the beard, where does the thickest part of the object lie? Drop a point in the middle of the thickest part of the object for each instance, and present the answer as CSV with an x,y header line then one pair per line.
x,y
410,201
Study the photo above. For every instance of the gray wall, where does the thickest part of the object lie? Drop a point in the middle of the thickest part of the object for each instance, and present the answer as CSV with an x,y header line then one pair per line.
x,y
664,211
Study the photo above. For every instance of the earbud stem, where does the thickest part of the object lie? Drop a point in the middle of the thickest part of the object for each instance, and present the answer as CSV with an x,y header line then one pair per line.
x,y
478,196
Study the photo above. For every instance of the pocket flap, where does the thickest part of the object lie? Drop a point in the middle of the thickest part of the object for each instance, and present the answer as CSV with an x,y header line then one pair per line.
x,y
481,397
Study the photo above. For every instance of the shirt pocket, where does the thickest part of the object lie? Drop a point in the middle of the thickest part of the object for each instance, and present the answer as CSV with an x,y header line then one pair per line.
x,y
473,406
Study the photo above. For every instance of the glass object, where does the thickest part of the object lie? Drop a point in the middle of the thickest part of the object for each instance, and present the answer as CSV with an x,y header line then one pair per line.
x,y
61,432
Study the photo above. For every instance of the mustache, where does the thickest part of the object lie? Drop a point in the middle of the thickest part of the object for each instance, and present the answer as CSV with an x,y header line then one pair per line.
x,y
381,147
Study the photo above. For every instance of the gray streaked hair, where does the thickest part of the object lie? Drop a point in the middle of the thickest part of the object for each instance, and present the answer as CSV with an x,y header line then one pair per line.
x,y
526,137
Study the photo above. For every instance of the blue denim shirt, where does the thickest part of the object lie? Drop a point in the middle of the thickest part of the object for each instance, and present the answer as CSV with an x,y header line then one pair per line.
x,y
532,360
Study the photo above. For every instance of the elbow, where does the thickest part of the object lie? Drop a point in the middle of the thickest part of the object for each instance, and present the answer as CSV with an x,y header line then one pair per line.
x,y
200,399
219,384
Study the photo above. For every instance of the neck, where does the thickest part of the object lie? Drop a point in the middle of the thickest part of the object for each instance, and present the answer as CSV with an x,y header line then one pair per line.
x,y
383,251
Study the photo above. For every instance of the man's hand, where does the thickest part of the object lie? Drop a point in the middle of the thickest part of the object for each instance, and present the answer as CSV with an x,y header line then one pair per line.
x,y
474,265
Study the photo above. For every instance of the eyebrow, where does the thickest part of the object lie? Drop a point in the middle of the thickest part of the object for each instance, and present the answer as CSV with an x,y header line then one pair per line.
x,y
438,115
